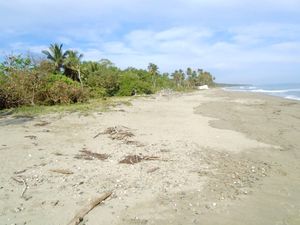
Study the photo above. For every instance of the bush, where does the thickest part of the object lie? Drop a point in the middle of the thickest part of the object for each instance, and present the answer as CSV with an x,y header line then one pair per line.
x,y
131,84
30,88
19,88
60,89
103,83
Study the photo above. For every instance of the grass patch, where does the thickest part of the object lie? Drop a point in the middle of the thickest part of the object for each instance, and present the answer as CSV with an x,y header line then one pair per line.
x,y
94,105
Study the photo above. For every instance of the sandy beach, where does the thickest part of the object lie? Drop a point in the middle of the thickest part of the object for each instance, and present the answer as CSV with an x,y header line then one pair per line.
x,y
207,157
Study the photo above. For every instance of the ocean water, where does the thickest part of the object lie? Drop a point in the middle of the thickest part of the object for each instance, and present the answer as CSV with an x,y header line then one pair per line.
x,y
289,91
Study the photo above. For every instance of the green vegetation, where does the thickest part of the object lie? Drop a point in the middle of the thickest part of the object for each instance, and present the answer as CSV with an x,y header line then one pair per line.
x,y
99,105
63,78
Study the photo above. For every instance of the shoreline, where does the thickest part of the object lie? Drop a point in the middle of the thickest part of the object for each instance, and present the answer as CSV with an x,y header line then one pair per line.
x,y
264,92
218,158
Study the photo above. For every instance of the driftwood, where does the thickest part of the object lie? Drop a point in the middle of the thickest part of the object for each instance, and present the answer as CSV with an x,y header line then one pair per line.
x,y
32,137
84,211
133,159
88,155
21,180
62,171
152,170
97,135
117,133
20,171
42,123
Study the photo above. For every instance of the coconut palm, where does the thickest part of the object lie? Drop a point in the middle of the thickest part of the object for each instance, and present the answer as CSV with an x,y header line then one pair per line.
x,y
72,65
153,70
56,55
178,77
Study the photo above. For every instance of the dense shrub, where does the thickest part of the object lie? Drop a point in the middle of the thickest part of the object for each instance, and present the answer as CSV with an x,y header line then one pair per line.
x,y
18,89
130,84
30,88
104,82
59,89
26,81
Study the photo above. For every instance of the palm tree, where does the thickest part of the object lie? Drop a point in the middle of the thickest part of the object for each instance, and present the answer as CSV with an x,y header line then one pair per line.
x,y
153,70
72,64
178,77
90,67
189,72
56,55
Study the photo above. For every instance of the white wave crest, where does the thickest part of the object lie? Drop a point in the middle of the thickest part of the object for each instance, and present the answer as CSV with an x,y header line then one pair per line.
x,y
274,91
293,97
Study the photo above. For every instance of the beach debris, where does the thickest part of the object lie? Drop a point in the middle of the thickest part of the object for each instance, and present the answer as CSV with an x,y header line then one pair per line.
x,y
88,155
117,133
121,133
62,171
136,143
55,203
41,124
84,211
57,154
97,135
21,180
133,159
20,171
153,169
32,137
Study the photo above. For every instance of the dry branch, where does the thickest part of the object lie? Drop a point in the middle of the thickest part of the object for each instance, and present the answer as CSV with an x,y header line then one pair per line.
x,y
22,181
62,171
42,123
20,171
32,137
84,211
97,135
132,159
118,133
88,155
152,170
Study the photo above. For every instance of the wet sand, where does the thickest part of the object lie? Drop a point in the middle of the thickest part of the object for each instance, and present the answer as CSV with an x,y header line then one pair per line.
x,y
216,158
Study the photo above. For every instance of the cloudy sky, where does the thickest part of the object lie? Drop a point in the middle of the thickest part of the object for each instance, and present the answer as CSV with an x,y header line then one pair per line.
x,y
239,41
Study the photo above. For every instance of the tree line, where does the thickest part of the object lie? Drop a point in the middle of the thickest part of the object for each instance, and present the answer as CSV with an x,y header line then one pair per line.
x,y
62,77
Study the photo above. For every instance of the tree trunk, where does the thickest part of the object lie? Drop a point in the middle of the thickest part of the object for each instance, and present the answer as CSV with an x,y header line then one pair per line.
x,y
79,77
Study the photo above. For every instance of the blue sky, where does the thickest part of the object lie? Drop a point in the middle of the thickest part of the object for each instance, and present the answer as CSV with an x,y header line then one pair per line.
x,y
247,41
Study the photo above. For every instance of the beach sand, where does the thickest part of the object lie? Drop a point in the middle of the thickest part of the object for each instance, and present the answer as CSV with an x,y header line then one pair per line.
x,y
208,157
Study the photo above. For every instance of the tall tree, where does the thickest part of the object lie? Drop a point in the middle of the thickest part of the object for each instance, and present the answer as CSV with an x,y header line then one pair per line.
x,y
178,77
106,63
56,55
189,72
72,65
153,70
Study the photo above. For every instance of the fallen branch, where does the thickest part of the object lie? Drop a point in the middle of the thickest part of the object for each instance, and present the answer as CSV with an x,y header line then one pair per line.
x,y
22,181
88,155
42,123
152,170
62,171
20,171
97,135
32,137
133,159
80,215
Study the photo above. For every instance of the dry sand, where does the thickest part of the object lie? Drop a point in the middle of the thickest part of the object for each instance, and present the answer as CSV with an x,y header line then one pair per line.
x,y
210,157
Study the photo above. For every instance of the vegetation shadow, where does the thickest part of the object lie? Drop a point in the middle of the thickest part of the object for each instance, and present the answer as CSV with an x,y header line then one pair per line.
x,y
17,120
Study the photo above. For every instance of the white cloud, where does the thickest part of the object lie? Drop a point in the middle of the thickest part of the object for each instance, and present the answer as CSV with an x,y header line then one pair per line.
x,y
265,32
20,47
230,36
